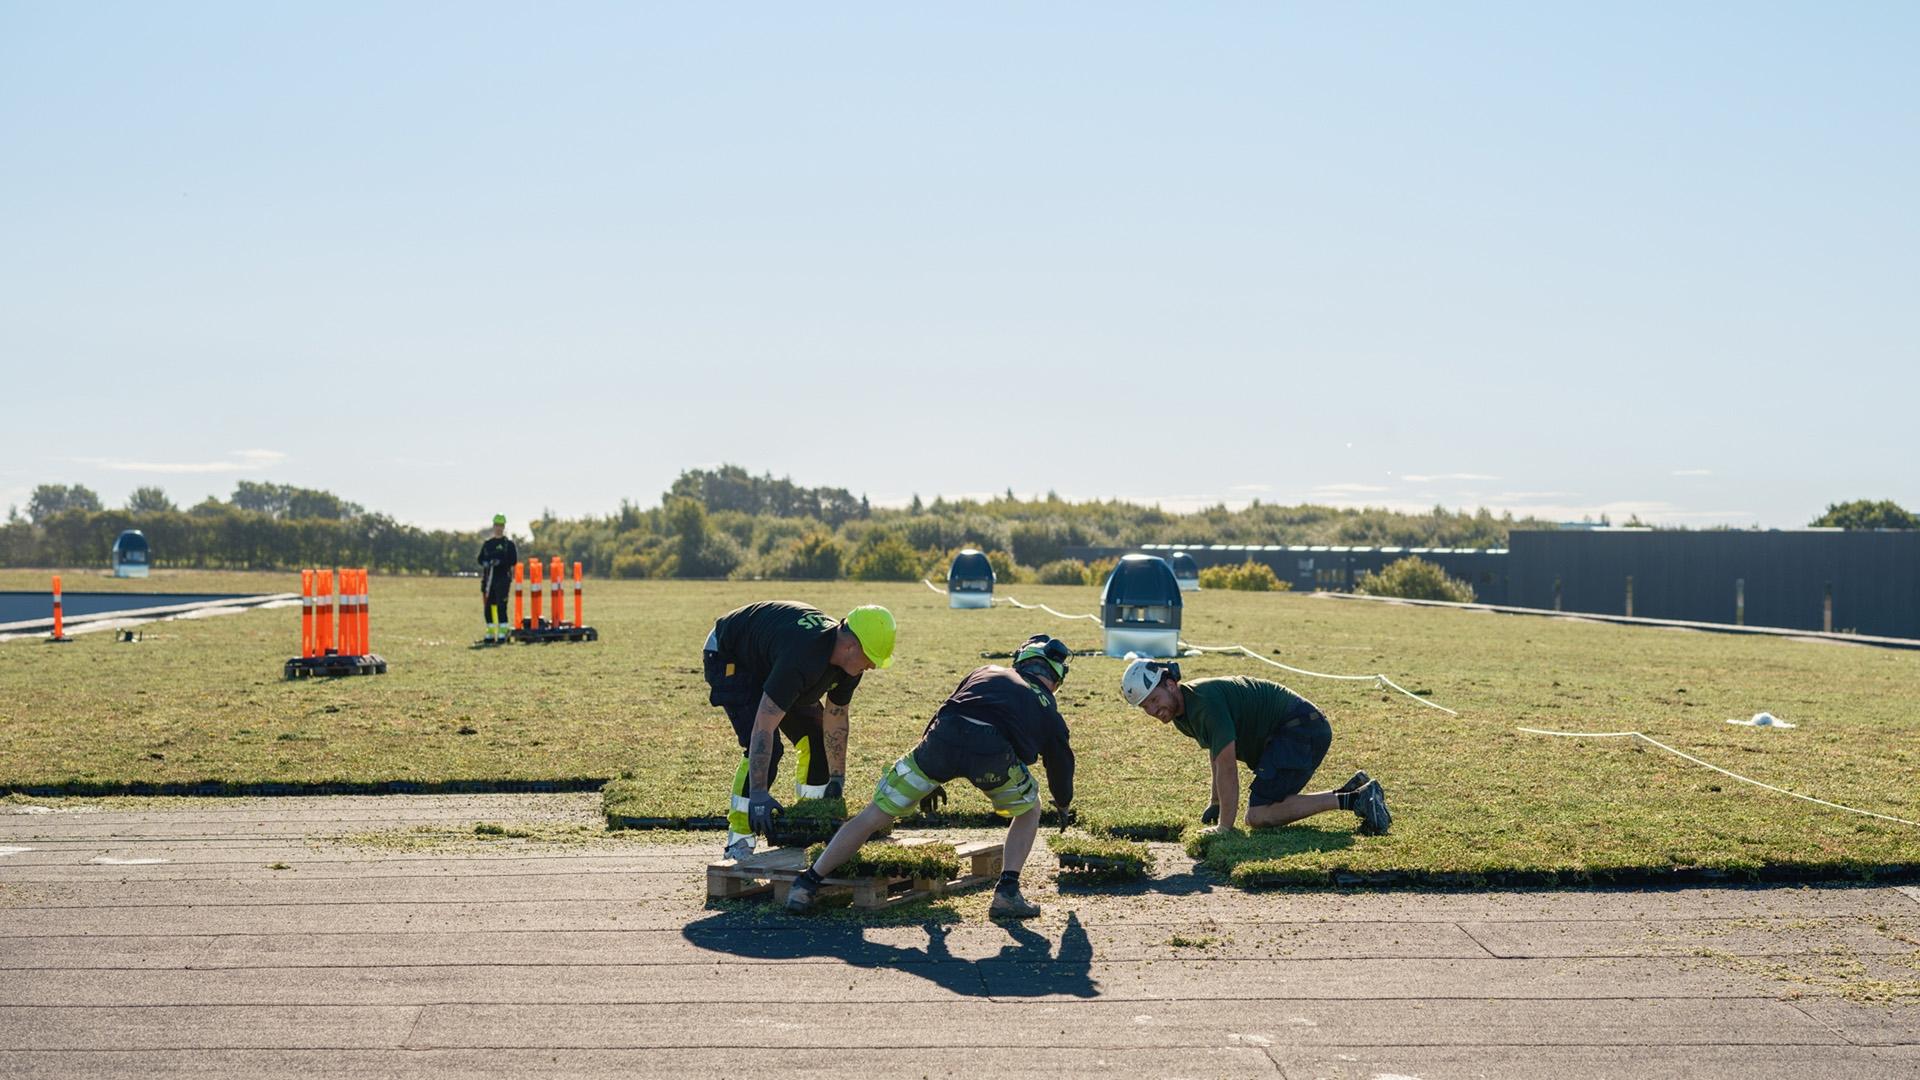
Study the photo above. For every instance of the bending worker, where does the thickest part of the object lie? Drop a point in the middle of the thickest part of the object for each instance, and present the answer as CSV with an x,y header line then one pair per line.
x,y
768,665
498,557
1275,732
995,724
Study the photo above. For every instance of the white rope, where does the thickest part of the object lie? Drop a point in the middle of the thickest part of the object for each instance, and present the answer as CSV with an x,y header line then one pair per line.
x,y
1050,611
1715,768
1378,680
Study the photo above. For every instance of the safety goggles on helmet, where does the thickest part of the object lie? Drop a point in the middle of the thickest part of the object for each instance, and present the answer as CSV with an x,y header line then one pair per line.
x,y
1052,650
1142,676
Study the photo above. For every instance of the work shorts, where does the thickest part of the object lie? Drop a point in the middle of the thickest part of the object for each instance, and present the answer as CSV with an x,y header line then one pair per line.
x,y
1291,757
954,747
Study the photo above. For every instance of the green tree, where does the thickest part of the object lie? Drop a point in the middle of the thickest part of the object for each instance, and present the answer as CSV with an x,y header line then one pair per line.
x,y
1062,572
1249,576
50,499
813,557
150,500
887,559
1414,578
1867,514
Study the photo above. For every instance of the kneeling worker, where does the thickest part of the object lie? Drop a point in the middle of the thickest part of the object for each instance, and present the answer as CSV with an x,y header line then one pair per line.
x,y
768,665
995,724
1277,733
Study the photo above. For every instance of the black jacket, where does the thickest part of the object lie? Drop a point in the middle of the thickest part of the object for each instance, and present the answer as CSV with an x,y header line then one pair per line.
x,y
1025,715
497,556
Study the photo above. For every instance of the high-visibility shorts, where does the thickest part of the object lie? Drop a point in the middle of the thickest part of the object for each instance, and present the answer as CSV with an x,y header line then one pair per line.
x,y
955,747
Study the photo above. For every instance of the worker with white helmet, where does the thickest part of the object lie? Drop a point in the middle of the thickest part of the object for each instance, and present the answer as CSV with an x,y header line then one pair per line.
x,y
1272,730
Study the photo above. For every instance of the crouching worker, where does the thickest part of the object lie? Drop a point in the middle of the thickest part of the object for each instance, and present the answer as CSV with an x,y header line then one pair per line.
x,y
991,728
768,665
1275,732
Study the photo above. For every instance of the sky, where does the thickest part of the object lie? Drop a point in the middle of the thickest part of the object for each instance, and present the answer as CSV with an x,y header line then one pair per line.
x,y
447,259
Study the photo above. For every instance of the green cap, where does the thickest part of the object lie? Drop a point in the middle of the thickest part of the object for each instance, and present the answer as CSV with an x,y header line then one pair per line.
x,y
873,625
499,519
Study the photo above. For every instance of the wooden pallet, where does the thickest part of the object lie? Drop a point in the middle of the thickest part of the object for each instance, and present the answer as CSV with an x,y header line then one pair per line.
x,y
775,870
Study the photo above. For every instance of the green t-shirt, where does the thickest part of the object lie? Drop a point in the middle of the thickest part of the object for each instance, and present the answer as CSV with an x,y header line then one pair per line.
x,y
1236,709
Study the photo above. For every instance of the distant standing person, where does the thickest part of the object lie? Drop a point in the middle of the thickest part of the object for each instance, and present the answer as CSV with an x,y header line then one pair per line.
x,y
1263,725
498,557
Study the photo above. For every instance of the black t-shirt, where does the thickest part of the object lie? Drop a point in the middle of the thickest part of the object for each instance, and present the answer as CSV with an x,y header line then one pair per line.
x,y
1024,714
498,555
787,648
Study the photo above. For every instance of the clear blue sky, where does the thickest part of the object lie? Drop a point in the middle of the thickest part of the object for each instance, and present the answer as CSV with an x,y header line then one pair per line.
x,y
443,258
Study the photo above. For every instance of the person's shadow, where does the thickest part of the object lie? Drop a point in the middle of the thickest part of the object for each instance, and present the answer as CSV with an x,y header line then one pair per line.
x,y
1027,966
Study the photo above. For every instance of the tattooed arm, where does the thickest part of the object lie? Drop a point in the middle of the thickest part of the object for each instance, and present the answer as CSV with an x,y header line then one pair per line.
x,y
766,725
833,731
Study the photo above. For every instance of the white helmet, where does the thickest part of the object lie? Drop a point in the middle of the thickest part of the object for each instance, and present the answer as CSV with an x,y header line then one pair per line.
x,y
1142,676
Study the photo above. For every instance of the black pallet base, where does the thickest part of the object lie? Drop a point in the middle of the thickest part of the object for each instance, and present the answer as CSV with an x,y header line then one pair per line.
x,y
333,666
543,635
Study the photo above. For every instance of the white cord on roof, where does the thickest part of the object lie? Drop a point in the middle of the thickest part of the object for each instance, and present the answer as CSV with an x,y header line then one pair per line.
x,y
1378,680
1711,765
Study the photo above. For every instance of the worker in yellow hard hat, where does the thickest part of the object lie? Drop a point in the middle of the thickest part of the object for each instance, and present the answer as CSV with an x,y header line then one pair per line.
x,y
769,665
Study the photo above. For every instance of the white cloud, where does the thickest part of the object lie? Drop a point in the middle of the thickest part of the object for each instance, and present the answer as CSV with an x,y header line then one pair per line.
x,y
238,461
1256,488
1347,489
1427,478
1693,472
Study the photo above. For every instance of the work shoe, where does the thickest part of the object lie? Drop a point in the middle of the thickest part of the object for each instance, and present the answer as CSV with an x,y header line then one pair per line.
x,y
740,849
1011,905
1355,782
1370,803
799,897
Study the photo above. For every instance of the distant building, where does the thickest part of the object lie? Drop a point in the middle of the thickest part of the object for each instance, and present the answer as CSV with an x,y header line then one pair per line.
x,y
1844,581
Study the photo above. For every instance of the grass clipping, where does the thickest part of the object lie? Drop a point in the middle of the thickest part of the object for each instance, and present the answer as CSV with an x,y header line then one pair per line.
x,y
936,862
1096,859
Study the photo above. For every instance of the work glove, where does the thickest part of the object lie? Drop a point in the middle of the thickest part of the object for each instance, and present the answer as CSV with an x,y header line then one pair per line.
x,y
932,801
1068,816
761,808
1211,814
836,787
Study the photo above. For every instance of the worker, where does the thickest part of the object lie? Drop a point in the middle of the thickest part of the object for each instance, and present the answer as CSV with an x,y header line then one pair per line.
x,y
768,665
995,724
497,559
1262,724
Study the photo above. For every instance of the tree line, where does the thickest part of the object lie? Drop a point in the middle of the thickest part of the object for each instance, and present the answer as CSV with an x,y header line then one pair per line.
x,y
727,522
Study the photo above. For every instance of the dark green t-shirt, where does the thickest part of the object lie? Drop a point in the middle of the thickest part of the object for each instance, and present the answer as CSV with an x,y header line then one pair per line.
x,y
787,648
1236,709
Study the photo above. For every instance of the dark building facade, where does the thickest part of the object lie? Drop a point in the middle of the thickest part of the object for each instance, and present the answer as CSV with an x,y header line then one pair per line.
x,y
1809,579
1816,579
1333,567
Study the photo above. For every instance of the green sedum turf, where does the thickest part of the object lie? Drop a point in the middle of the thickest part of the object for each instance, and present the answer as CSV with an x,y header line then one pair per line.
x,y
1138,824
1100,859
202,702
878,858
